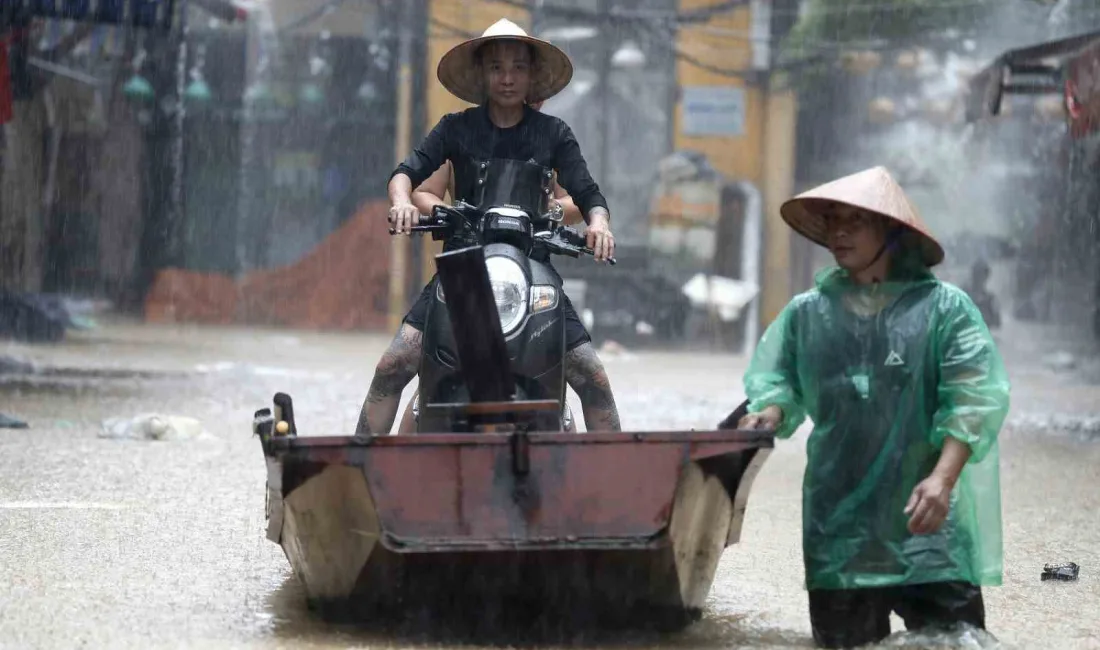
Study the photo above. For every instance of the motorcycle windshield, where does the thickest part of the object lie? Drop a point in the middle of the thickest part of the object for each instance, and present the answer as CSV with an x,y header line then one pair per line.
x,y
500,182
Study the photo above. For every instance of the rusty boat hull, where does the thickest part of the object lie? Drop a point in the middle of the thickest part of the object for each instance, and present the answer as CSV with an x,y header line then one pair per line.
x,y
614,524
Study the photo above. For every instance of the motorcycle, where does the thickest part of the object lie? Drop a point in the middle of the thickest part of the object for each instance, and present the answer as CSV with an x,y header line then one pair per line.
x,y
516,233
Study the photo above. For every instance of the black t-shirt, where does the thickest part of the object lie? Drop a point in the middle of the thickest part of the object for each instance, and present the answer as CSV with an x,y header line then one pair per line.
x,y
471,137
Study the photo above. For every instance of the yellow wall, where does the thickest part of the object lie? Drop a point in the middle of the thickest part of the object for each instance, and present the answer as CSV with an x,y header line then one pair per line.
x,y
777,187
737,157
764,153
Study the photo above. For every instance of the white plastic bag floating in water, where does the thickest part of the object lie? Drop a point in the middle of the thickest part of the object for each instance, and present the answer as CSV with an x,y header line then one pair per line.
x,y
153,426
726,296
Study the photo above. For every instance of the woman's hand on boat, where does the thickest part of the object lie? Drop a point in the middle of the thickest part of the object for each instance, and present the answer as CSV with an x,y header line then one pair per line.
x,y
766,420
403,216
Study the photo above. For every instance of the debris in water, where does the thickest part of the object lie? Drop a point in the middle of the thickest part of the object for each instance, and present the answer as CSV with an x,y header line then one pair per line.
x,y
151,426
1066,572
11,366
34,318
7,422
1061,361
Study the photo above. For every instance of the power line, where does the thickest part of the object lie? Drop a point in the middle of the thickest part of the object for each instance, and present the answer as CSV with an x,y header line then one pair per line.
x,y
705,14
456,31
702,14
825,45
818,45
684,56
825,49
672,20
668,42
871,7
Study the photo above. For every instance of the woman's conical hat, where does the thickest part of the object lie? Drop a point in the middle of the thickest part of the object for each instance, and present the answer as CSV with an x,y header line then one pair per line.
x,y
873,190
459,73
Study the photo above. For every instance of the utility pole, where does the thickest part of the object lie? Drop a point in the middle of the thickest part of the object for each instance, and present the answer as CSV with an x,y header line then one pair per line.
x,y
607,50
537,12
177,212
399,245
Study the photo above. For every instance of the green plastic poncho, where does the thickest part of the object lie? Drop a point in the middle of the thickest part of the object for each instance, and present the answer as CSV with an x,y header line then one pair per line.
x,y
886,373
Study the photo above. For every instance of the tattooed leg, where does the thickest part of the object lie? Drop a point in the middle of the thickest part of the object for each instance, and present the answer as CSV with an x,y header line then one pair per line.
x,y
396,369
586,375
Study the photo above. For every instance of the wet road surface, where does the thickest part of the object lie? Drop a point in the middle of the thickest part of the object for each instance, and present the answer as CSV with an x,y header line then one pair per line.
x,y
140,544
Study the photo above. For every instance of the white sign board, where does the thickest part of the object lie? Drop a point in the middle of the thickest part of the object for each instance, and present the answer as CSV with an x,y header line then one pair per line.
x,y
713,110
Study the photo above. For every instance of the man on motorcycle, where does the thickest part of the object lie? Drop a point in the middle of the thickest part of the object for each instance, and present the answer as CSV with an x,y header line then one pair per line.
x,y
440,184
503,72
901,501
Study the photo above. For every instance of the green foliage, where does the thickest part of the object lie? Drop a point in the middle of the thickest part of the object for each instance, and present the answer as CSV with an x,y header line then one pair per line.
x,y
830,28
829,25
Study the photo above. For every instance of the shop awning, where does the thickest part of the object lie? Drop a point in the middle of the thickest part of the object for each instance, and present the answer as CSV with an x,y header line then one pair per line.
x,y
1033,70
151,14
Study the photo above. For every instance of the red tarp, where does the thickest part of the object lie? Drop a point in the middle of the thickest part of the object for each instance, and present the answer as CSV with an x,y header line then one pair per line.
x,y
342,284
6,113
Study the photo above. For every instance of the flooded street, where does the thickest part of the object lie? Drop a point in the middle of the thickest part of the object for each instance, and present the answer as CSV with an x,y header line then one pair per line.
x,y
256,165
137,544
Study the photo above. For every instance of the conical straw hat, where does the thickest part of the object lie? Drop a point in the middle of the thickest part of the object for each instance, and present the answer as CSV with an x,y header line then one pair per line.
x,y
459,73
874,190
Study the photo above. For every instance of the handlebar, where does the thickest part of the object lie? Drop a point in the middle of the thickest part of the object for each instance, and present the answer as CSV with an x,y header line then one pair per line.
x,y
442,219
576,240
588,251
562,240
428,228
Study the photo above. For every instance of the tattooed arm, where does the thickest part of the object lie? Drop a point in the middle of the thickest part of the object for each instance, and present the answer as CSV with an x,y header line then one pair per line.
x,y
586,375
395,370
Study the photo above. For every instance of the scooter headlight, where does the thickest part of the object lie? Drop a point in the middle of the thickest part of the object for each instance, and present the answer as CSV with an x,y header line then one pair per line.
x,y
510,290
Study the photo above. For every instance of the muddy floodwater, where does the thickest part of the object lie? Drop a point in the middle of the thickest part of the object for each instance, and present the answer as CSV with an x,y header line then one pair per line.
x,y
119,543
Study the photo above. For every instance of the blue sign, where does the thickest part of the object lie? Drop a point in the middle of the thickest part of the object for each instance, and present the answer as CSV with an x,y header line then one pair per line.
x,y
713,111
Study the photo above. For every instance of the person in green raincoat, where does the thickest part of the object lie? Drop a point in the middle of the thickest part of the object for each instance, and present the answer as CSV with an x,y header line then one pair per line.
x,y
907,393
